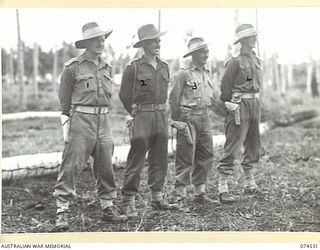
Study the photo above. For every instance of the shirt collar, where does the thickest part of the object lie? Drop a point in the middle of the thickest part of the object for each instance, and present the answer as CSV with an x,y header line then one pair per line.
x,y
83,57
250,54
194,67
144,60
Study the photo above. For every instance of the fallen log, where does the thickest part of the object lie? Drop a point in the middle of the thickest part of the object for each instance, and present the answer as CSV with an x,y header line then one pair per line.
x,y
312,123
288,120
24,166
33,165
30,114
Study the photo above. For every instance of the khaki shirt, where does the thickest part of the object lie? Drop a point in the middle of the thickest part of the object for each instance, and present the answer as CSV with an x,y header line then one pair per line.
x,y
85,83
243,74
192,88
151,85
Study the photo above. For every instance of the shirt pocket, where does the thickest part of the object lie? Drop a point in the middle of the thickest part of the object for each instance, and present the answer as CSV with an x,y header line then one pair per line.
x,y
107,83
86,82
165,76
193,89
245,71
144,81
258,70
258,66
208,89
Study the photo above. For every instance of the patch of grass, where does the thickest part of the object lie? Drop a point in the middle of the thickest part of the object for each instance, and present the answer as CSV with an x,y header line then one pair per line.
x,y
288,171
44,135
31,136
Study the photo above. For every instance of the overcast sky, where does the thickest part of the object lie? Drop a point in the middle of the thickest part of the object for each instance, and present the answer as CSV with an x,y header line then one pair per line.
x,y
291,32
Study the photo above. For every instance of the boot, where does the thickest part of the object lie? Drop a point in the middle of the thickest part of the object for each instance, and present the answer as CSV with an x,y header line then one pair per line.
x,y
180,199
62,220
182,205
250,186
111,214
203,199
224,196
129,206
158,203
200,195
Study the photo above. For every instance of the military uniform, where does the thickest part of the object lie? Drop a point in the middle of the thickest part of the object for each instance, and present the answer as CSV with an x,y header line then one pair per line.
x,y
192,93
85,94
143,93
242,78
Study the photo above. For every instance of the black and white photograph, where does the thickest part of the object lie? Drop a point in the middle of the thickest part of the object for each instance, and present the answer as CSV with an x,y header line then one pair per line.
x,y
160,120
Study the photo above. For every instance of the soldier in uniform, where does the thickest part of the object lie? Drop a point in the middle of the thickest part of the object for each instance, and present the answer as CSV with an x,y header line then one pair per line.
x,y
240,91
143,93
85,93
190,98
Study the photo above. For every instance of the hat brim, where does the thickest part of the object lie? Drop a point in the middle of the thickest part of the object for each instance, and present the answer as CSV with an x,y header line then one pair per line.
x,y
196,49
238,40
81,44
155,36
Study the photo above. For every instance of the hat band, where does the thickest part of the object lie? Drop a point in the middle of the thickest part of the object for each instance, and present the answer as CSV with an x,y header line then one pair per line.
x,y
247,32
147,36
195,45
91,32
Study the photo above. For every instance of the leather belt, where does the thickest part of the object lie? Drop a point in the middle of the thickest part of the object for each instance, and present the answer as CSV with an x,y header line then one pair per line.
x,y
91,109
151,107
202,111
249,95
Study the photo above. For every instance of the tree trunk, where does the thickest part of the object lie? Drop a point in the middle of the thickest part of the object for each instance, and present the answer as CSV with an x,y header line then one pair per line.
x,y
159,20
35,70
237,22
22,93
283,79
309,76
314,82
268,74
276,78
55,72
290,76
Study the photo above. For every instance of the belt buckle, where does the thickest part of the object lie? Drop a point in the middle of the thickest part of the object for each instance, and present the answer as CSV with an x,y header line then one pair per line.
x,y
99,110
156,106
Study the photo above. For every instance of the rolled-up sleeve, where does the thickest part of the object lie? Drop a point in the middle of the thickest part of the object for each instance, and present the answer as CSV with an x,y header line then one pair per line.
x,y
227,80
126,87
175,95
65,90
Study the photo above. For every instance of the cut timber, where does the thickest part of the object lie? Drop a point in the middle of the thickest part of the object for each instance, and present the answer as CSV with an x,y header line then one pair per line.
x,y
30,114
23,166
312,123
295,118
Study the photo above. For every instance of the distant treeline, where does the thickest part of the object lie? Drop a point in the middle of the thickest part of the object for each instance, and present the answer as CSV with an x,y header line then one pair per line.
x,y
304,76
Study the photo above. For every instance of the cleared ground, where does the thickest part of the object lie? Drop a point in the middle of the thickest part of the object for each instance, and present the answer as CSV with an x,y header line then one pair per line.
x,y
289,171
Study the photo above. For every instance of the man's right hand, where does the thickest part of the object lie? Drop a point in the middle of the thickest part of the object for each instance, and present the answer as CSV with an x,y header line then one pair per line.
x,y
65,122
129,120
185,113
231,106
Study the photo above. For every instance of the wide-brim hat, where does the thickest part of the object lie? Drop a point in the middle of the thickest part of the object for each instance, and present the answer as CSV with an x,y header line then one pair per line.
x,y
89,31
195,43
243,31
147,32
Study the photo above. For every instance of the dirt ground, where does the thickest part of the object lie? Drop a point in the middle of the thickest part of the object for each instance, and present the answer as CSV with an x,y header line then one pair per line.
x,y
288,171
